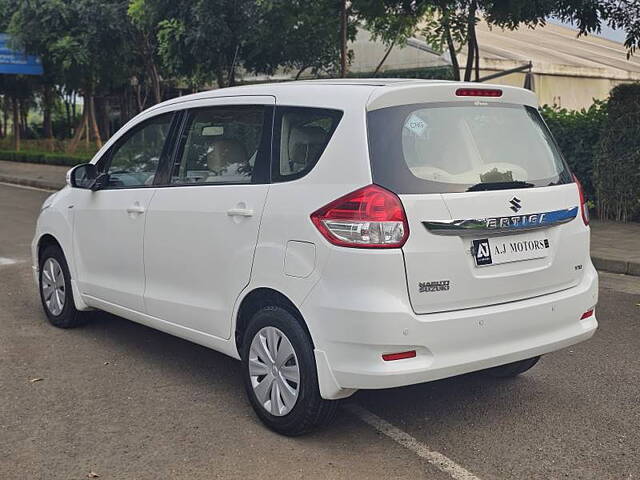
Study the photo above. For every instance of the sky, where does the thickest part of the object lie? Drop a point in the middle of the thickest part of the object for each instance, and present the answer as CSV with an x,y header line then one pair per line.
x,y
607,32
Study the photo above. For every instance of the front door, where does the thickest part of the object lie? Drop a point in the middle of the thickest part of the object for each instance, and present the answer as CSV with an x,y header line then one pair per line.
x,y
109,223
202,228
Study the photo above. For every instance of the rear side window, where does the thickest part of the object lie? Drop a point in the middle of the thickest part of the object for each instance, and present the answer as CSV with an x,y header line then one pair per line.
x,y
457,147
221,145
300,137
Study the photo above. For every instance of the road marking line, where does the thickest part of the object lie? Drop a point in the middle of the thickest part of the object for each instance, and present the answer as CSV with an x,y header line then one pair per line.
x,y
27,187
436,459
7,261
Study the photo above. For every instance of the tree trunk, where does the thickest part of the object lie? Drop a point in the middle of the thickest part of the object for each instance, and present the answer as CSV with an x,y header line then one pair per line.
x,y
15,104
77,136
152,69
67,108
455,66
94,123
476,49
343,38
46,113
384,58
102,114
87,130
471,27
5,116
139,102
74,105
232,69
24,110
300,72
155,82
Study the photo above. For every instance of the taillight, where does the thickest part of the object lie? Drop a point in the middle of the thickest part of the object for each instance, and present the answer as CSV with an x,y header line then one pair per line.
x,y
584,208
478,92
370,217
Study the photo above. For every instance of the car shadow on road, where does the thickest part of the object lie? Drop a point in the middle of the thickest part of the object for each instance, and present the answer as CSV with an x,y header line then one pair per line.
x,y
450,403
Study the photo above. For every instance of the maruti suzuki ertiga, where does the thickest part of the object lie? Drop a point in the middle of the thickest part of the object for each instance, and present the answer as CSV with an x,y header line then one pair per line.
x,y
333,235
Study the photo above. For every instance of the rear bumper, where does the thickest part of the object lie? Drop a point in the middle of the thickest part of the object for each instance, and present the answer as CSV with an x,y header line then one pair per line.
x,y
352,342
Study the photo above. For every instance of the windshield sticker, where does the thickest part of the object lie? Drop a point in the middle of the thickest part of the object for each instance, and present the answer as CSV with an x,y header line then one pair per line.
x,y
415,125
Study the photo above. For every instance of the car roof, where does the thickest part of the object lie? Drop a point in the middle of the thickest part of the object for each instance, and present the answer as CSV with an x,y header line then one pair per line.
x,y
345,93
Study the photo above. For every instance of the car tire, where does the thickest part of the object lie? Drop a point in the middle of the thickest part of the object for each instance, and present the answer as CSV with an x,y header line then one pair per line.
x,y
56,294
274,332
513,369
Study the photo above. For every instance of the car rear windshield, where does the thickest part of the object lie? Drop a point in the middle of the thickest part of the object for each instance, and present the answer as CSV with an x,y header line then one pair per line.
x,y
462,146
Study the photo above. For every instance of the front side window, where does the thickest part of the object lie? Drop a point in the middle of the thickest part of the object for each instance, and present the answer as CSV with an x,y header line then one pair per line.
x,y
440,148
302,134
220,145
134,159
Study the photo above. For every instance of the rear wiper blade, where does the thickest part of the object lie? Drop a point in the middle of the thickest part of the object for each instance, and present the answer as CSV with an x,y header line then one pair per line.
x,y
499,186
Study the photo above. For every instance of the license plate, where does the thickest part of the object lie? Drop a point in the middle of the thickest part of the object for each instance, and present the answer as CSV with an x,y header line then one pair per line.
x,y
513,248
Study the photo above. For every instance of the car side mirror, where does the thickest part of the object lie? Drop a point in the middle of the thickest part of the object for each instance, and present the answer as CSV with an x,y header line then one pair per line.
x,y
82,176
86,176
101,181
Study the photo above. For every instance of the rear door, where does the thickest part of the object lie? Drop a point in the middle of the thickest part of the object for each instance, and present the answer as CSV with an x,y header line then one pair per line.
x,y
202,226
493,211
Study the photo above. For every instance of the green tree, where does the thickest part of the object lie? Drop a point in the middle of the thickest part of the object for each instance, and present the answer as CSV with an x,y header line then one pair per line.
x,y
84,44
19,89
624,14
617,164
25,26
578,133
202,41
298,35
146,16
453,23
391,22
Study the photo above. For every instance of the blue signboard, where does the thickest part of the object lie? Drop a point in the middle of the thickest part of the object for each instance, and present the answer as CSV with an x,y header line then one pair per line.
x,y
17,63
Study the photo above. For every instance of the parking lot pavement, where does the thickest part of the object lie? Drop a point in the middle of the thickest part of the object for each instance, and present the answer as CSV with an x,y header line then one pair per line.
x,y
125,401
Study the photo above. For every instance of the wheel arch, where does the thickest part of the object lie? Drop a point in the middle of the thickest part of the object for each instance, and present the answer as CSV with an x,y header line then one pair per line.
x,y
47,240
255,300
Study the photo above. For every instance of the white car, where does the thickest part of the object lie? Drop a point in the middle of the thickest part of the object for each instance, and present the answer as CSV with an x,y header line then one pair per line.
x,y
333,235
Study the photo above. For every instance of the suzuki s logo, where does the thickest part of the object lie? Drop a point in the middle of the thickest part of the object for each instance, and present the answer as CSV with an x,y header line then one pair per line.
x,y
515,204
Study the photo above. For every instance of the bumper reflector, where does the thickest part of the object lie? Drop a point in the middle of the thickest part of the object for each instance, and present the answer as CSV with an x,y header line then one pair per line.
x,y
389,357
587,314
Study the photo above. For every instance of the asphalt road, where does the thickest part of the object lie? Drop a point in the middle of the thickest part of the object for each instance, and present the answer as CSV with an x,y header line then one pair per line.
x,y
127,402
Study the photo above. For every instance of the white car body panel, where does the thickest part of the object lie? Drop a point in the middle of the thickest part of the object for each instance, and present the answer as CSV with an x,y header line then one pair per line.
x,y
186,284
432,257
356,303
108,249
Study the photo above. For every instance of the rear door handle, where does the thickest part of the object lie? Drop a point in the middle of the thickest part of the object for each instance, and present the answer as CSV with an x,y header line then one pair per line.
x,y
240,212
135,208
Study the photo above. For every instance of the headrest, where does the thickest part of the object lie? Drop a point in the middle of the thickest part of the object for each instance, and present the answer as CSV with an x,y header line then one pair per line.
x,y
305,146
224,152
